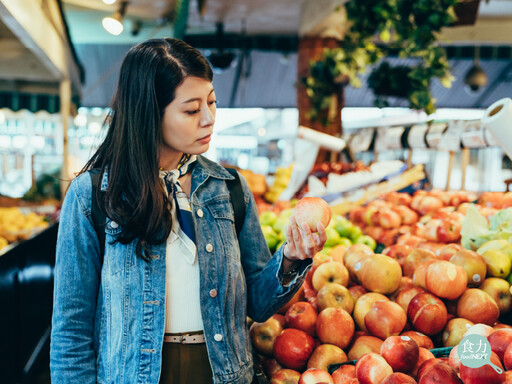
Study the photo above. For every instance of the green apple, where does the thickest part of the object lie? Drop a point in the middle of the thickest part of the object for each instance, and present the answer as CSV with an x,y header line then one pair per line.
x,y
268,218
367,240
333,237
282,220
356,233
271,237
343,226
345,241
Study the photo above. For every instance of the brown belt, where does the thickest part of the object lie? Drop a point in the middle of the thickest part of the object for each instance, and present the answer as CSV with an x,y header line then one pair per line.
x,y
186,338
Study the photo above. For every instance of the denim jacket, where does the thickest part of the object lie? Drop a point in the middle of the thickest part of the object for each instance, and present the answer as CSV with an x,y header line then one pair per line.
x,y
108,317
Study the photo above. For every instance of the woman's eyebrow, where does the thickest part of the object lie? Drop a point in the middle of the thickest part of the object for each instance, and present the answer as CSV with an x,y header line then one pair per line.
x,y
196,98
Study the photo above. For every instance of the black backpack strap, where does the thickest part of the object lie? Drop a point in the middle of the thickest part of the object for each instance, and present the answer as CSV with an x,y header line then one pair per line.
x,y
237,199
97,214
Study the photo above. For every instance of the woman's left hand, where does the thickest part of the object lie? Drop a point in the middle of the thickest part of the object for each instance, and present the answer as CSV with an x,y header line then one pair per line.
x,y
301,243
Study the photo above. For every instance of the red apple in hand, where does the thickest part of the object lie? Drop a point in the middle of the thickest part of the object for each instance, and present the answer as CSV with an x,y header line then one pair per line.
x,y
344,374
316,376
385,318
372,368
301,315
399,378
292,348
285,376
335,326
325,355
263,335
401,353
312,210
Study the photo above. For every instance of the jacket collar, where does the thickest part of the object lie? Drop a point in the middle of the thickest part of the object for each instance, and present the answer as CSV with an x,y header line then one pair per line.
x,y
203,169
206,167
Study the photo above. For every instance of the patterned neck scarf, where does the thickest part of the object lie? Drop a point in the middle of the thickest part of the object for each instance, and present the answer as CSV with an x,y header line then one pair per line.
x,y
182,204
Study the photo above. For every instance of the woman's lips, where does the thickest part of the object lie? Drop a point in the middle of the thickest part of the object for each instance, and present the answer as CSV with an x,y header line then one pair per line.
x,y
205,139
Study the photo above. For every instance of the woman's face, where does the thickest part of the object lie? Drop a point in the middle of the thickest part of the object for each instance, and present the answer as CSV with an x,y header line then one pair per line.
x,y
188,120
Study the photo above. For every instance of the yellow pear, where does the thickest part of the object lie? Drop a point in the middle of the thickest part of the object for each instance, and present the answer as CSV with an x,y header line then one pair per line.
x,y
492,244
498,263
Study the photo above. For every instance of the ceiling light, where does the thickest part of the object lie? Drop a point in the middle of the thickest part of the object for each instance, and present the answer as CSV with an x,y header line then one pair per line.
x,y
109,2
476,78
114,23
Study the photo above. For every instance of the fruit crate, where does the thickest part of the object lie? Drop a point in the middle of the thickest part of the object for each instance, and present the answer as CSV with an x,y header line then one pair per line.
x,y
437,352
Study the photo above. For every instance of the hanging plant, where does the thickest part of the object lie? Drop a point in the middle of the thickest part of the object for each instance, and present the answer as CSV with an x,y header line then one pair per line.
x,y
336,68
381,28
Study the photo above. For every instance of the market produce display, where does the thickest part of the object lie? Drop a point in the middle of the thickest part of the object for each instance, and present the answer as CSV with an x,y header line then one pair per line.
x,y
445,272
16,225
340,231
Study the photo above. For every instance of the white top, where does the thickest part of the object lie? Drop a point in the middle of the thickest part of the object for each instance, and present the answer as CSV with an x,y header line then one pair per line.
x,y
182,304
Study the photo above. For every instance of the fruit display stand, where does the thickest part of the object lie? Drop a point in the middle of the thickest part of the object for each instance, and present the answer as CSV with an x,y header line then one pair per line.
x,y
445,272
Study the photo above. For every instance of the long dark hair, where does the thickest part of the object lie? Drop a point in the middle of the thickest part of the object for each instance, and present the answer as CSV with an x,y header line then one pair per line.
x,y
150,73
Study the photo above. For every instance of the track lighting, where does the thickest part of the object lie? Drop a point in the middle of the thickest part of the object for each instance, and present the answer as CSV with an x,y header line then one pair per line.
x,y
114,23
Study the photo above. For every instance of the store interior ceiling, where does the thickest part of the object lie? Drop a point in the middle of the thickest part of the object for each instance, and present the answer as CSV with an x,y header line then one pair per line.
x,y
263,35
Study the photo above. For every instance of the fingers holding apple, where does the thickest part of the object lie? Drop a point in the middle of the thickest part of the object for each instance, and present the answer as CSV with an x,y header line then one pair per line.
x,y
302,242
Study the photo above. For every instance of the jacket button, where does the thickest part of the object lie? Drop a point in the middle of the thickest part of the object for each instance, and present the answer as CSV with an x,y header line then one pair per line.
x,y
218,337
199,212
113,224
213,293
209,247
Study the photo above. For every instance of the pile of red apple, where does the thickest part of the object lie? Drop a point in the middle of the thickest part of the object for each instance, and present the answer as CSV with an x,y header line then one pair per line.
x,y
427,218
386,311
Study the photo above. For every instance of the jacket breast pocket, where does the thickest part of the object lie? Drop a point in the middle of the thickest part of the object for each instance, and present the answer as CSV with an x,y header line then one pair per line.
x,y
118,256
222,212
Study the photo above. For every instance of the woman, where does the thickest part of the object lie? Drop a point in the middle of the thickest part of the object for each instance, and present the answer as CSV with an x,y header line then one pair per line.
x,y
167,302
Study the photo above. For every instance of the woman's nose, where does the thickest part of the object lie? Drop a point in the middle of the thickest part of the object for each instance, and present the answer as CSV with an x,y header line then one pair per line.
x,y
207,116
